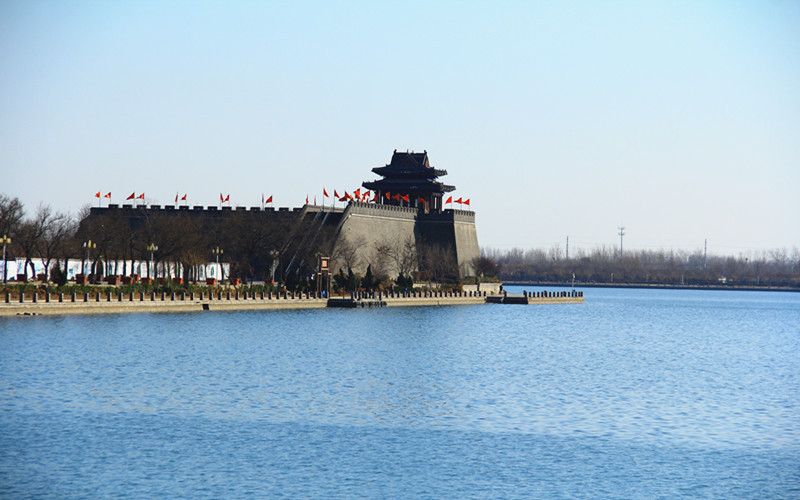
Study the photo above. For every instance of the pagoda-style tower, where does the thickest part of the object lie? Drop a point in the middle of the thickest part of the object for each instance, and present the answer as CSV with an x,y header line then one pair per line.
x,y
410,175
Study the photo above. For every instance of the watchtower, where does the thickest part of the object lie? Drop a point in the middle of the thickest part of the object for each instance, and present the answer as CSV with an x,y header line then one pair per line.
x,y
410,181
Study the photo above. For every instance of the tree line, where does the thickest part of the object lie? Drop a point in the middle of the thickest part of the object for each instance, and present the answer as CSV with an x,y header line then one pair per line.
x,y
283,248
777,267
178,243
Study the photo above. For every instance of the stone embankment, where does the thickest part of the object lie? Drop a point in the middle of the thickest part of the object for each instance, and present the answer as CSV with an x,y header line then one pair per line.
x,y
41,303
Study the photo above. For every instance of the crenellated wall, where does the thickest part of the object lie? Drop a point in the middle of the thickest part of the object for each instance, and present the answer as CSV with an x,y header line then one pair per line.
x,y
359,228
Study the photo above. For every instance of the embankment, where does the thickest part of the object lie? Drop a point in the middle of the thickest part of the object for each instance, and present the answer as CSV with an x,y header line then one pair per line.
x,y
152,303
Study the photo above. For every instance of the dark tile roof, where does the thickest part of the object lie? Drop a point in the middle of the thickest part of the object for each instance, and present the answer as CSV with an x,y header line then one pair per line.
x,y
409,164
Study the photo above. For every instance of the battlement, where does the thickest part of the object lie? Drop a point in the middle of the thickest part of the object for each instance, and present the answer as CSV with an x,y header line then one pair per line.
x,y
185,208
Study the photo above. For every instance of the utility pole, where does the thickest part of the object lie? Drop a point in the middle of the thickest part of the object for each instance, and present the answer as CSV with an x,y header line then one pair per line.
x,y
705,252
621,234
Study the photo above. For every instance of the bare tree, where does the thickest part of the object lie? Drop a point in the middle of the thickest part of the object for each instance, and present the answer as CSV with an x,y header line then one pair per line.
x,y
401,252
406,257
346,252
439,264
30,235
57,232
485,266
11,213
381,256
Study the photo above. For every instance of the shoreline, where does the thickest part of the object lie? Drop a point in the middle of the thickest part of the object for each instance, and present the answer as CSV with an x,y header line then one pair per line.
x,y
652,286
30,309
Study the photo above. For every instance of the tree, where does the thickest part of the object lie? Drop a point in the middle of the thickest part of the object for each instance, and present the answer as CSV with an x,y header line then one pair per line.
x,y
353,282
11,213
439,264
57,231
340,280
58,276
404,282
485,266
30,235
346,252
370,282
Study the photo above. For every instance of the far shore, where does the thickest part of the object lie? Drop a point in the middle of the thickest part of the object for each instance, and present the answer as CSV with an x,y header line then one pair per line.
x,y
652,286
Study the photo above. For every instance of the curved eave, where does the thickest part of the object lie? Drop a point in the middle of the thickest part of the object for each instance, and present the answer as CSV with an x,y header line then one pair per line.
x,y
386,185
390,171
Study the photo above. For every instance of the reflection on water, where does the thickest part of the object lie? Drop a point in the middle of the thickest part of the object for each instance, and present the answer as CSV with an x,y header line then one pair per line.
x,y
639,393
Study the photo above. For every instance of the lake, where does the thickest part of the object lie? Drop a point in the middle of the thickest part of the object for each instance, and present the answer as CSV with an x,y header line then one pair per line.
x,y
634,394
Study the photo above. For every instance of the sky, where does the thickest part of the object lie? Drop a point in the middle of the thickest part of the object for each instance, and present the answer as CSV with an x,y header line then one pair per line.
x,y
678,120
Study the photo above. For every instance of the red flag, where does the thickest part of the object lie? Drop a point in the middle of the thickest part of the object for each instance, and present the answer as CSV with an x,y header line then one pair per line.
x,y
141,196
306,199
449,200
108,195
375,198
269,200
184,198
176,197
97,195
396,197
325,192
388,196
404,197
466,202
357,193
459,201
221,199
423,201
347,196
132,196
228,198
343,198
336,195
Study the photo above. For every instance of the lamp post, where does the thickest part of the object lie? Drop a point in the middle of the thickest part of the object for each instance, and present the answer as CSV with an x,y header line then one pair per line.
x,y
274,254
217,251
151,248
6,241
88,245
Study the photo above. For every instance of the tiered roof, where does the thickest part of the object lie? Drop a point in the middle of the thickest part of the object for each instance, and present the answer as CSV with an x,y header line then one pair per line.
x,y
409,173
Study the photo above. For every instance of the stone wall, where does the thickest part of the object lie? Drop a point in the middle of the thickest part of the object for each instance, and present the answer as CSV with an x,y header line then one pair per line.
x,y
365,226
359,226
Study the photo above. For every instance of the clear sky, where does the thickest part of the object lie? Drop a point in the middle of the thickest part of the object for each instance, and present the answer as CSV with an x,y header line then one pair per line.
x,y
678,120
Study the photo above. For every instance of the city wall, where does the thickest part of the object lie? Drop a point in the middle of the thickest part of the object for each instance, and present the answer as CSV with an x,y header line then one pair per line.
x,y
366,225
361,226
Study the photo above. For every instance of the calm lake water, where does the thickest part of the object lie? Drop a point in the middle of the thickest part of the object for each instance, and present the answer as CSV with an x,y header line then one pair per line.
x,y
635,394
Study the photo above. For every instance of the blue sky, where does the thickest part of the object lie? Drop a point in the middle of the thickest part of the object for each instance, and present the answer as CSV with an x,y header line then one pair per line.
x,y
678,120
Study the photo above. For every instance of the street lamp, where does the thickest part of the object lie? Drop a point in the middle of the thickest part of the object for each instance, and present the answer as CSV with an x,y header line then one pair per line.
x,y
217,251
274,254
5,240
88,245
151,248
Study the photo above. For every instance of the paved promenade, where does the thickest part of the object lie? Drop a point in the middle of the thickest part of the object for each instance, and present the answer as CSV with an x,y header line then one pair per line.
x,y
186,302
